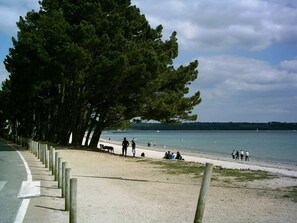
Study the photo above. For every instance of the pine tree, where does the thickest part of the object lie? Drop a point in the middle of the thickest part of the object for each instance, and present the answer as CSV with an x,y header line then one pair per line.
x,y
92,64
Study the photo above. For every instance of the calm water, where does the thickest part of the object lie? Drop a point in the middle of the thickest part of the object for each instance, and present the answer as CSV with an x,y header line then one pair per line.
x,y
279,146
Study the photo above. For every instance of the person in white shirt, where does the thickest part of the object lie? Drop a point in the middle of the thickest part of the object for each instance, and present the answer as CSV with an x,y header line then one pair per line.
x,y
247,154
241,155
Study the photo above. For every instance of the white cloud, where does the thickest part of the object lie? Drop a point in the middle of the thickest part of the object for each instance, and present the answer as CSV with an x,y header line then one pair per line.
x,y
221,25
11,10
244,74
290,65
203,24
242,88
3,73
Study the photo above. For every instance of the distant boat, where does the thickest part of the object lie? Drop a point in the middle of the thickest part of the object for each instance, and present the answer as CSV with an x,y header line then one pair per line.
x,y
158,131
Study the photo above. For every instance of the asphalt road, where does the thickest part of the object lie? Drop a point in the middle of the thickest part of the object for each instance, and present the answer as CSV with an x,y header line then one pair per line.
x,y
12,174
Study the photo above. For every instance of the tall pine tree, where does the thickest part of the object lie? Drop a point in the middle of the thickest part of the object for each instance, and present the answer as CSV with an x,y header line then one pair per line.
x,y
91,64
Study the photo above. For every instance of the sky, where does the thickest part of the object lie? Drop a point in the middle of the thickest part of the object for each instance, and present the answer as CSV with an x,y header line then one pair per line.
x,y
247,52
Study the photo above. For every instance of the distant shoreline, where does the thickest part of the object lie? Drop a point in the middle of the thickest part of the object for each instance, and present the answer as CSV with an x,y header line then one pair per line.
x,y
157,153
218,143
269,126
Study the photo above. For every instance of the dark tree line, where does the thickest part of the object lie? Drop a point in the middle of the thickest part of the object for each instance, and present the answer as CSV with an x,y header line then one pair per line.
x,y
78,67
216,126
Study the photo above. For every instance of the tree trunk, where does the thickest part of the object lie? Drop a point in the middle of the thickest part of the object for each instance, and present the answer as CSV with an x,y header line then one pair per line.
x,y
63,130
80,117
62,119
75,125
91,128
96,136
74,128
98,128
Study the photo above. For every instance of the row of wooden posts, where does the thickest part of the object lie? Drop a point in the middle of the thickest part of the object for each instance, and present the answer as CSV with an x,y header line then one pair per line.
x,y
61,172
50,158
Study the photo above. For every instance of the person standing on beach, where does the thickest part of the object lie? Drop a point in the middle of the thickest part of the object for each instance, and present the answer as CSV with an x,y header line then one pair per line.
x,y
247,154
237,155
233,154
241,155
133,147
125,145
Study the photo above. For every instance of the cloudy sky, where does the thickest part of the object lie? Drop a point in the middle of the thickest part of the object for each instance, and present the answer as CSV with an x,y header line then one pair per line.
x,y
247,52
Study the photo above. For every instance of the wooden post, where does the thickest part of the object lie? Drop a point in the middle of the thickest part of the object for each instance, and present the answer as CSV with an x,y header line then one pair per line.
x,y
34,148
41,153
46,155
56,165
73,201
50,159
63,178
30,145
67,189
54,161
203,193
38,150
60,172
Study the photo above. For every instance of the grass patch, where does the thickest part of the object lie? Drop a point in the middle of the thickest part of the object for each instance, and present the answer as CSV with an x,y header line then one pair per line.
x,y
292,194
178,167
243,175
196,169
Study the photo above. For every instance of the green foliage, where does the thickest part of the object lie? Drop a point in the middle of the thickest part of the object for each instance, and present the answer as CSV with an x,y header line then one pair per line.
x,y
92,64
4,108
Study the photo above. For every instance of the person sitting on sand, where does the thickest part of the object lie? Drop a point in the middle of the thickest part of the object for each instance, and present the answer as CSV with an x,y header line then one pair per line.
x,y
168,155
178,156
173,156
165,156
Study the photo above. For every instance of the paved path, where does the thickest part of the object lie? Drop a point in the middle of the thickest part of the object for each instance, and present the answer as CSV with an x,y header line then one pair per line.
x,y
49,206
38,190
13,184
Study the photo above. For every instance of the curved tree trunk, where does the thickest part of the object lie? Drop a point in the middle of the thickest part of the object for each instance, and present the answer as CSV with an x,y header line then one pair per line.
x,y
101,113
96,136
91,128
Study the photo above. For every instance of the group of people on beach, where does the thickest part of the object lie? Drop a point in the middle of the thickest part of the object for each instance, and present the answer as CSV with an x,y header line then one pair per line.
x,y
243,155
125,145
172,156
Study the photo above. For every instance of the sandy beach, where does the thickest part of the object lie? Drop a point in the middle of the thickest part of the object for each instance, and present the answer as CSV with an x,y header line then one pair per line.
x,y
114,188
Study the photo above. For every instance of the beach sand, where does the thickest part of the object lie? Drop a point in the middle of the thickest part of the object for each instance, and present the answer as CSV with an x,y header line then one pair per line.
x,y
113,188
157,153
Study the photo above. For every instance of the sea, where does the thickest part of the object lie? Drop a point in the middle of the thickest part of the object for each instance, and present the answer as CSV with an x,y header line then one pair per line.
x,y
271,146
